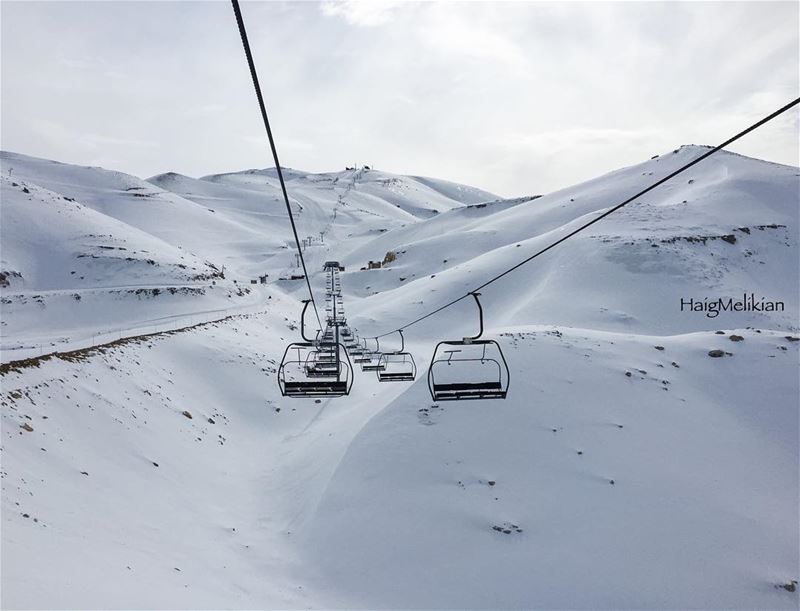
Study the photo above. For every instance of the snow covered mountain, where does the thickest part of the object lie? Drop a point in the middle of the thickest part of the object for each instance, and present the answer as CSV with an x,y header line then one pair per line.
x,y
628,468
723,228
96,250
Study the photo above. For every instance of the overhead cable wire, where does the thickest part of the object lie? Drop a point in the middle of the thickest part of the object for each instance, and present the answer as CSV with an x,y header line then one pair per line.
x,y
611,210
246,44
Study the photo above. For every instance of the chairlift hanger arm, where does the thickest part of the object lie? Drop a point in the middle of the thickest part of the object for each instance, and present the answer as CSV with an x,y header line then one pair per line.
x,y
480,317
303,321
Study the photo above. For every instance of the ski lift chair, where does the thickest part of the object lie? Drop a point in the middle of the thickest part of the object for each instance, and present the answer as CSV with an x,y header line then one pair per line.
x,y
373,362
303,374
397,366
471,368
361,354
356,349
325,339
300,376
320,365
326,353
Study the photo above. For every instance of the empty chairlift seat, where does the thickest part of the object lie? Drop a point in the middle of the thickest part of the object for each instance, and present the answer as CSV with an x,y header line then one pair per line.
x,y
362,358
356,349
373,363
313,368
303,374
322,362
397,366
371,359
470,368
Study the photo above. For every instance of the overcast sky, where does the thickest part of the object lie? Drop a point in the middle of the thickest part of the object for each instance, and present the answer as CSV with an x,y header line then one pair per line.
x,y
516,98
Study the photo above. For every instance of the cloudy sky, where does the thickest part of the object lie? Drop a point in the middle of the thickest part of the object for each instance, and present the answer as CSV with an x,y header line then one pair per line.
x,y
516,98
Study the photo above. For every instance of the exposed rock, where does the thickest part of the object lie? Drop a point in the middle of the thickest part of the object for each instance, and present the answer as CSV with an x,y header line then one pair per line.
x,y
507,528
736,338
187,414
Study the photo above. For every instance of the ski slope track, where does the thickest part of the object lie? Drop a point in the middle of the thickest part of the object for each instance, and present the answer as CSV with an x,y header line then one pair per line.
x,y
627,469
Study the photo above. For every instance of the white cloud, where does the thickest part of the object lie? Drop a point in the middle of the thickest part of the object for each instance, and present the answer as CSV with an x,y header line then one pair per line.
x,y
578,138
365,13
58,133
445,29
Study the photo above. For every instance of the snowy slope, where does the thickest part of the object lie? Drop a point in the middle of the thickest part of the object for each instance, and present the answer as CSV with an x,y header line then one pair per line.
x,y
415,194
69,271
177,221
59,244
383,500
332,208
588,490
196,243
627,469
726,227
